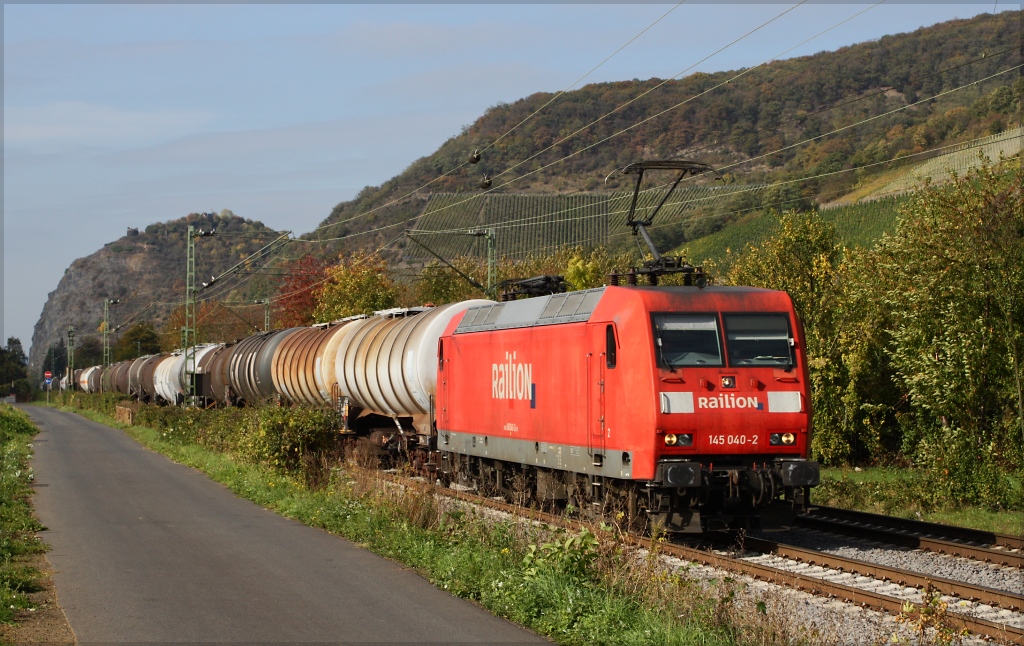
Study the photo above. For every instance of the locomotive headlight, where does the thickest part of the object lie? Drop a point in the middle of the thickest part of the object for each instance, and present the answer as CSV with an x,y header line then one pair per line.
x,y
671,439
775,439
728,382
686,439
788,438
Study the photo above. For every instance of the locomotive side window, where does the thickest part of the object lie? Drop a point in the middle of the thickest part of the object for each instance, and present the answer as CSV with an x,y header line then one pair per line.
x,y
687,340
758,340
609,346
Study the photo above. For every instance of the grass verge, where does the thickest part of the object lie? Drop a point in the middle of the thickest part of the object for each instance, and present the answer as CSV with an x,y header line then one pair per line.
x,y
904,492
18,525
576,588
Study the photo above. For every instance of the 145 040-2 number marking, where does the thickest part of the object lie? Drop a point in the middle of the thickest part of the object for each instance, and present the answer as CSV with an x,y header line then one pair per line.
x,y
735,440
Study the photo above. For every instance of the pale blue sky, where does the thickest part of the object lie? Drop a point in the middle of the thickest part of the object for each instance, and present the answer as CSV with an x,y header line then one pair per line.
x,y
122,115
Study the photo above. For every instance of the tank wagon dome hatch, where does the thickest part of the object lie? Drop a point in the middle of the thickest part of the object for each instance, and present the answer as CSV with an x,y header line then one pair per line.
x,y
572,307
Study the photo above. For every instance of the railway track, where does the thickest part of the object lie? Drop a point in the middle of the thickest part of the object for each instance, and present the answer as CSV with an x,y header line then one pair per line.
x,y
993,614
987,611
989,547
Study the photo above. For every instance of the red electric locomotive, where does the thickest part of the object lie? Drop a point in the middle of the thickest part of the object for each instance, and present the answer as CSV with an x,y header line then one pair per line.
x,y
689,405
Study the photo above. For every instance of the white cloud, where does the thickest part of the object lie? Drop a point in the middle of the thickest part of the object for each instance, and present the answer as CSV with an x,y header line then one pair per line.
x,y
78,123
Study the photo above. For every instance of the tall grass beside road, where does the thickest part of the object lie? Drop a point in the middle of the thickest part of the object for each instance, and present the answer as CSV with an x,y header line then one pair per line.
x,y
18,526
576,587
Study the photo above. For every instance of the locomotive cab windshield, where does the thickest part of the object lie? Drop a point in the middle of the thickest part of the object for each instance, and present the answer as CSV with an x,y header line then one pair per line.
x,y
759,340
687,340
751,340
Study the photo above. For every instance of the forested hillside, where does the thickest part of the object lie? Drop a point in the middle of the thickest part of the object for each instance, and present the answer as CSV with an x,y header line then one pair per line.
x,y
736,126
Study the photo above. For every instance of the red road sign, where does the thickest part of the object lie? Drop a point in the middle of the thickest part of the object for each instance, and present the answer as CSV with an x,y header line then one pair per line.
x,y
47,374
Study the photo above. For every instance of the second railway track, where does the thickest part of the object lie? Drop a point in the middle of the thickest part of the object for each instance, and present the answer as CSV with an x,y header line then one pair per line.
x,y
989,547
993,614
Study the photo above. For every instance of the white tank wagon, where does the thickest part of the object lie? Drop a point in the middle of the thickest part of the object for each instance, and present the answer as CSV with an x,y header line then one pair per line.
x,y
188,370
84,377
167,378
386,364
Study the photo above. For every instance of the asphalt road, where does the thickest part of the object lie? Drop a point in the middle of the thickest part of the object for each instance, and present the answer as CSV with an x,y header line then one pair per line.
x,y
146,550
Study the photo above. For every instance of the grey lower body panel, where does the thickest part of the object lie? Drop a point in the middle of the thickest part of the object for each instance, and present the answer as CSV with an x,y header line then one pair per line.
x,y
567,457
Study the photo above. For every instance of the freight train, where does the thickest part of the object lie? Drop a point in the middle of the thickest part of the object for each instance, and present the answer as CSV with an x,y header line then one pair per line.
x,y
686,407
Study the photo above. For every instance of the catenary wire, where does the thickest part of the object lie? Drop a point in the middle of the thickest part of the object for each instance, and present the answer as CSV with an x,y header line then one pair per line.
x,y
510,130
643,121
820,111
396,224
878,92
723,168
757,187
863,121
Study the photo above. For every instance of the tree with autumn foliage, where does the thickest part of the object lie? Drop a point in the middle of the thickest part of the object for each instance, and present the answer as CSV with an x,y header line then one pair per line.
x,y
299,291
215,323
359,284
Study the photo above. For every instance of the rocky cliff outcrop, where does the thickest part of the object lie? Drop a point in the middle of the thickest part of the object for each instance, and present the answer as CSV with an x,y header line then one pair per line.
x,y
142,269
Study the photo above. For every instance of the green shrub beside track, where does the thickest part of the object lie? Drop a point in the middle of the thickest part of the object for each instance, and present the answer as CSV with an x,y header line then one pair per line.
x,y
18,526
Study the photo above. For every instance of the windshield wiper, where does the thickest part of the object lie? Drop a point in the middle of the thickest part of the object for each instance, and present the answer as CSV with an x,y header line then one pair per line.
x,y
661,351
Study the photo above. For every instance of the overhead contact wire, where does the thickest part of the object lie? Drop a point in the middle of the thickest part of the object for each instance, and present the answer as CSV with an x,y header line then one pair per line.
x,y
817,112
837,130
327,278
869,95
877,116
663,112
513,128
758,187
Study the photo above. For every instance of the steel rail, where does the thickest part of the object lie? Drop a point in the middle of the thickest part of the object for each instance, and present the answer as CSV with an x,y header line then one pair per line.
x,y
866,598
916,541
814,585
938,530
967,591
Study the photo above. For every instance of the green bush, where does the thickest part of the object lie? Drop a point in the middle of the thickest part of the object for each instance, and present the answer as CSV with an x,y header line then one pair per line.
x,y
280,437
18,526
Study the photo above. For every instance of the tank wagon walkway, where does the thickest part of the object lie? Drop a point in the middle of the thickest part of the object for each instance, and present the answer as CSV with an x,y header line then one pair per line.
x,y
146,550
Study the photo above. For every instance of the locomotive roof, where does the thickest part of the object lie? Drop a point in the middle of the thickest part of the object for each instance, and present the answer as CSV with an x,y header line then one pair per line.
x,y
542,310
572,307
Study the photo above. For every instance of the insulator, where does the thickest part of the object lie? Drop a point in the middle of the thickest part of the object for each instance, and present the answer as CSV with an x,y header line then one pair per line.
x,y
474,157
485,181
613,278
631,277
652,279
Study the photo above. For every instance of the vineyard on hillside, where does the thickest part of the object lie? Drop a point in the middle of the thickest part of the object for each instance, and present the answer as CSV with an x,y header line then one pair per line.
x,y
857,225
527,224
1005,144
